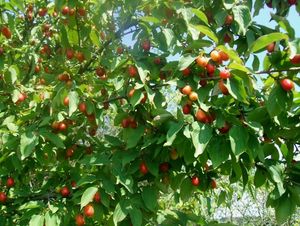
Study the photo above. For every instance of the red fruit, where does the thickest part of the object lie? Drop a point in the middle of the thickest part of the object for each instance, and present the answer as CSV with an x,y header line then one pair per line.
x,y
69,152
82,107
89,210
144,98
125,123
73,184
224,56
69,54
228,20
201,116
6,32
80,56
79,220
100,71
225,128
225,74
42,12
22,97
143,168
133,124
37,69
269,4
271,47
203,82
174,154
120,50
193,96
64,191
157,60
81,12
223,88
213,184
55,125
186,109
66,101
132,71
62,126
215,56
63,77
292,2
1,51
295,59
227,38
210,68
186,90
10,182
287,84
202,61
146,45
97,197
3,197
195,181
89,150
65,10
131,92
164,167
186,72
71,12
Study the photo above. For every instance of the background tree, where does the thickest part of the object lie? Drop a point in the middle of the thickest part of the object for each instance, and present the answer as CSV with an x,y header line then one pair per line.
x,y
90,136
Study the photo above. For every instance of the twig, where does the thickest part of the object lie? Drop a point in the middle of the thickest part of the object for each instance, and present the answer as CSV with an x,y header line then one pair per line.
x,y
114,98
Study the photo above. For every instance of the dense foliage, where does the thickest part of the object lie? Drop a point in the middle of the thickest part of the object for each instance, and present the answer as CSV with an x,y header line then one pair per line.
x,y
87,133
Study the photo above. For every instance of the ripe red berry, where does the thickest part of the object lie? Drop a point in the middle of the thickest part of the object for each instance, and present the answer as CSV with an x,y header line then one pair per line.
x,y
186,109
157,60
69,54
125,123
10,182
89,210
97,197
6,32
3,197
120,50
225,128
164,167
222,87
195,181
287,84
295,59
146,45
225,74
213,184
132,71
65,10
64,191
271,47
79,220
22,97
143,168
100,71
66,101
82,107
292,2
62,126
210,68
201,116
228,20
186,72
69,152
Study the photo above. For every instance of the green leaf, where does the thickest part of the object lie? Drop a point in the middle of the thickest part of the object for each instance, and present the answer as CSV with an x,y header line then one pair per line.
x,y
228,4
14,72
149,196
277,102
236,88
207,31
87,196
243,18
276,174
259,178
73,102
142,70
73,36
218,150
186,189
201,15
136,217
36,220
238,136
27,144
55,139
265,40
150,19
51,220
94,38
185,61
172,132
201,135
120,213
136,98
169,35
284,209
133,136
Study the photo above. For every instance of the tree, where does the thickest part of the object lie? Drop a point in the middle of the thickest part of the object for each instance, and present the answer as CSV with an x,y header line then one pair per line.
x,y
65,75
